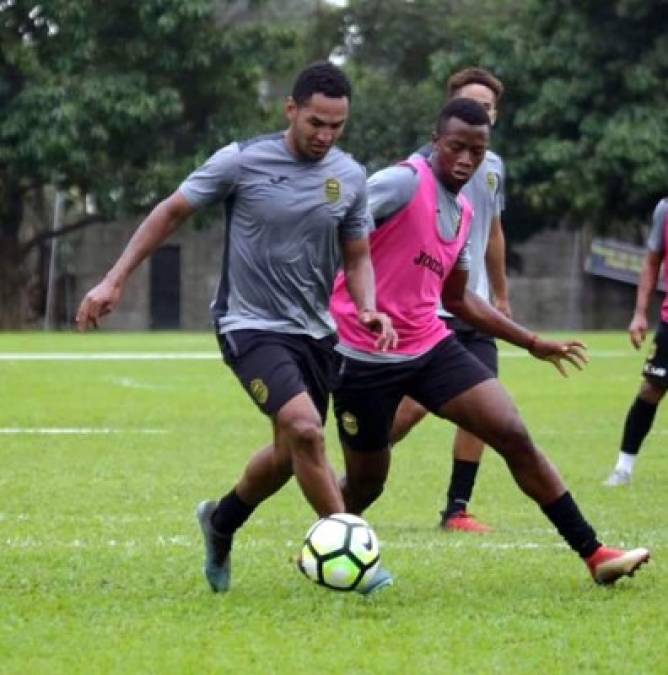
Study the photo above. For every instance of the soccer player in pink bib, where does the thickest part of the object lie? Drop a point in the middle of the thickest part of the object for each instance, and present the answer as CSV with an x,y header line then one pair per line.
x,y
419,253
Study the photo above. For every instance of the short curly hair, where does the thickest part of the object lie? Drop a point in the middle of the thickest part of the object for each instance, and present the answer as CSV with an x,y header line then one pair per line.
x,y
321,77
464,109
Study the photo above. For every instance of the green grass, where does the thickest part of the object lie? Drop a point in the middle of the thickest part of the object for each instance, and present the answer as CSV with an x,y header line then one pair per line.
x,y
100,557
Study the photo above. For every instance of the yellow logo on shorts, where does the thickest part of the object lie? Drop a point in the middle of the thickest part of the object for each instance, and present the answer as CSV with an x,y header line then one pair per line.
x,y
259,391
332,190
349,424
491,181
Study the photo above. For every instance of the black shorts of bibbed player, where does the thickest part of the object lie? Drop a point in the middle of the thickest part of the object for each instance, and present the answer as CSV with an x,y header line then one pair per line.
x,y
275,367
656,366
481,345
367,394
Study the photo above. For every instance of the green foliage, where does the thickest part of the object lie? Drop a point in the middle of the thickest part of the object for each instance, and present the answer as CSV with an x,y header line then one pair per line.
x,y
121,99
399,55
394,36
585,140
101,554
388,117
583,124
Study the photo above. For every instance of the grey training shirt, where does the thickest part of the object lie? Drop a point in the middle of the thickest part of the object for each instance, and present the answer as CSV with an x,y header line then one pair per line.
x,y
284,218
486,192
656,241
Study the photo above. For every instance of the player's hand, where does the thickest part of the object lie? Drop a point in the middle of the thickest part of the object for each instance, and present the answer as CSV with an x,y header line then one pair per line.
x,y
98,302
379,322
504,307
558,352
638,330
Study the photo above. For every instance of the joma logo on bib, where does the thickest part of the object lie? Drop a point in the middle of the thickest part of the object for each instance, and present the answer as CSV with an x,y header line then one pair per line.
x,y
425,260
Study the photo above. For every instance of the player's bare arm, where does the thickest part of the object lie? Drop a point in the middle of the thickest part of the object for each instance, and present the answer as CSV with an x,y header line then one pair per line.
x,y
495,262
648,277
360,282
163,220
475,311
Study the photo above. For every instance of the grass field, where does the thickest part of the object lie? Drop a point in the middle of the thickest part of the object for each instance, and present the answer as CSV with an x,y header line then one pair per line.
x,y
100,557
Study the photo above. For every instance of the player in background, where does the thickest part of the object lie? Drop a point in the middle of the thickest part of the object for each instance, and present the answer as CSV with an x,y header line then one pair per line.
x,y
295,205
641,414
487,278
418,251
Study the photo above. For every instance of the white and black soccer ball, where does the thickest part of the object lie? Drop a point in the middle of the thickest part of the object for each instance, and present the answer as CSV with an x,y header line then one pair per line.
x,y
340,552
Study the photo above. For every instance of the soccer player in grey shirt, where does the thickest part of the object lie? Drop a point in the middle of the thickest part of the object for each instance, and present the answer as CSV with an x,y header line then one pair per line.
x,y
296,210
640,416
487,278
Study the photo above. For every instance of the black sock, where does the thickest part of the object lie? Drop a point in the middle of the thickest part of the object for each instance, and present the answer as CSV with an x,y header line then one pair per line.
x,y
638,422
461,486
571,525
230,514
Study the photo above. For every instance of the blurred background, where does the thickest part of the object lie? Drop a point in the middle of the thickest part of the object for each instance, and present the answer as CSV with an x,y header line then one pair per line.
x,y
106,106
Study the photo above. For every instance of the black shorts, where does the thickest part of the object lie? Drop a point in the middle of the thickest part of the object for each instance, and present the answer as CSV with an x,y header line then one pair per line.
x,y
367,395
655,369
481,345
275,367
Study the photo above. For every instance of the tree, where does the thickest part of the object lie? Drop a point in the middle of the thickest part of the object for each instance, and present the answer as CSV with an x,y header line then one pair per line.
x,y
586,137
388,48
585,117
117,101
400,53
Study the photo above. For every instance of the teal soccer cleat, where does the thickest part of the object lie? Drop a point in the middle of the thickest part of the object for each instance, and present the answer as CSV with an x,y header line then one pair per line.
x,y
217,563
381,579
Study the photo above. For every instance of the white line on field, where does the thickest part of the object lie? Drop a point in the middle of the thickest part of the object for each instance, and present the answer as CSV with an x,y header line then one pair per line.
x,y
209,356
108,430
589,432
109,356
594,354
77,430
182,541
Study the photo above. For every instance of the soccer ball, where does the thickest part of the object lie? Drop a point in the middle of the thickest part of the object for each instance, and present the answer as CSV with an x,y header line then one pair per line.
x,y
340,552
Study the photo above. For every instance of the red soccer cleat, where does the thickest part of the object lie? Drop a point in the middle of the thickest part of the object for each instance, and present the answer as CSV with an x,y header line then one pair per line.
x,y
609,564
464,522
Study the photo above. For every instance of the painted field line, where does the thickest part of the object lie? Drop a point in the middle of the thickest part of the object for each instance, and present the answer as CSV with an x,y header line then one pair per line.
x,y
77,430
185,541
594,354
109,356
208,356
602,431
181,541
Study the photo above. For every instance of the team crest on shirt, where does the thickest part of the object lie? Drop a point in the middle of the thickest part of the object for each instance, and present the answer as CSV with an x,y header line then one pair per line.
x,y
492,181
349,424
332,190
259,390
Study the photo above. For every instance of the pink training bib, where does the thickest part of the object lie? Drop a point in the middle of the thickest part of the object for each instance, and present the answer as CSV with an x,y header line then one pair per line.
x,y
411,261
664,305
